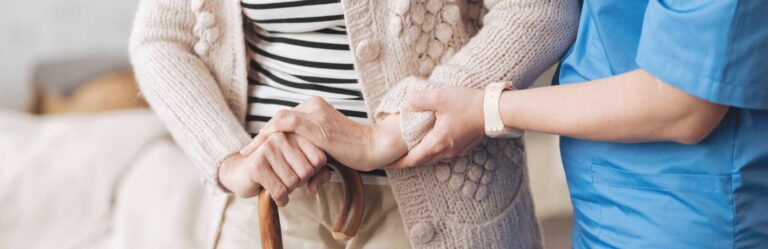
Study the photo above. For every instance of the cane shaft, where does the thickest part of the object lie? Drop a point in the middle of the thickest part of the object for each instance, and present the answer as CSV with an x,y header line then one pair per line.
x,y
269,222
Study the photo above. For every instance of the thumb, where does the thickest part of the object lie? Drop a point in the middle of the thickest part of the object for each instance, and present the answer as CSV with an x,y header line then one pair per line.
x,y
424,100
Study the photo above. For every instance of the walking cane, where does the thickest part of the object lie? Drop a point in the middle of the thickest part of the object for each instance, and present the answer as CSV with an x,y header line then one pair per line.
x,y
350,215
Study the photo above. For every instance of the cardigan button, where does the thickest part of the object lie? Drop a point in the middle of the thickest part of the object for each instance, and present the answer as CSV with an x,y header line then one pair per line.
x,y
442,172
435,49
429,23
443,32
475,172
433,6
422,233
196,5
201,48
205,19
469,189
451,14
412,34
456,181
426,65
401,6
421,44
417,14
460,164
368,50
395,26
212,34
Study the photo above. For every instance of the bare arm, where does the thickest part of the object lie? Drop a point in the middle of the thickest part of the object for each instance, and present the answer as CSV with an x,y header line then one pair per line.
x,y
630,107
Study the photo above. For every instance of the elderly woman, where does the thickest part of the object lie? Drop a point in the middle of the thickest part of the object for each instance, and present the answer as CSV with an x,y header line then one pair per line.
x,y
217,71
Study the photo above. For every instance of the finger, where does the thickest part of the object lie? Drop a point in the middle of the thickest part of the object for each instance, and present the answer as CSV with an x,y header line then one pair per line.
x,y
318,180
306,105
314,154
288,121
436,158
260,138
423,152
297,160
274,152
251,146
426,100
412,159
264,175
263,134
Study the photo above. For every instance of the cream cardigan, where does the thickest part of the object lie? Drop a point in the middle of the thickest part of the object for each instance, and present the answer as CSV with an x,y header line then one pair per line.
x,y
189,58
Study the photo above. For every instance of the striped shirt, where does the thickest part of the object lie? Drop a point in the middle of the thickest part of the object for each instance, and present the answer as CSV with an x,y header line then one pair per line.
x,y
298,49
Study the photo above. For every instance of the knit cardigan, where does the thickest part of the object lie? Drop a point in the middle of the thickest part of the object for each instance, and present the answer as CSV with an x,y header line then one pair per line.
x,y
189,59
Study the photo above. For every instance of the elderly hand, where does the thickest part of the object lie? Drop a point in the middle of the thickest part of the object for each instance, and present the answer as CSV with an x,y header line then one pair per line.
x,y
459,125
281,163
359,146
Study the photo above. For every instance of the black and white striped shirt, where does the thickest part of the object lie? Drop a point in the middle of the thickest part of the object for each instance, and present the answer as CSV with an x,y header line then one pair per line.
x,y
298,49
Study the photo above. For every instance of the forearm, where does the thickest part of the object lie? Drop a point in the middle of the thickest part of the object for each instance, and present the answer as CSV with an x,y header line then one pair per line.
x,y
631,107
387,142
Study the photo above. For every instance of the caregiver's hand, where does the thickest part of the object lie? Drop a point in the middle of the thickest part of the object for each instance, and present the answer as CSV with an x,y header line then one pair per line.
x,y
362,147
458,128
281,163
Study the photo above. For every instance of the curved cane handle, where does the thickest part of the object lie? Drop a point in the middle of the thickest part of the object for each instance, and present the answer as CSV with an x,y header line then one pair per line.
x,y
353,205
347,224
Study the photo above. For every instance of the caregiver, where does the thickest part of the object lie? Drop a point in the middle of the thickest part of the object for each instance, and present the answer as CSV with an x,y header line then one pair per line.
x,y
663,113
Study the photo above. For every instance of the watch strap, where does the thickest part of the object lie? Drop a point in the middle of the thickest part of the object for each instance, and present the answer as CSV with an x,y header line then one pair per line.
x,y
494,126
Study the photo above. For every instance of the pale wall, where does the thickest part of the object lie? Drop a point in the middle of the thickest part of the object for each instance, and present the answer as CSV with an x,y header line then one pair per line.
x,y
31,31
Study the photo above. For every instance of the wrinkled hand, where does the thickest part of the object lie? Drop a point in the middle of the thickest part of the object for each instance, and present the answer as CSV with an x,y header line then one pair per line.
x,y
459,125
359,146
280,164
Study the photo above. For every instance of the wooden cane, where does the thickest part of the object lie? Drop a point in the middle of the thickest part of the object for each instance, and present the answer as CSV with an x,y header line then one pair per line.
x,y
269,222
346,226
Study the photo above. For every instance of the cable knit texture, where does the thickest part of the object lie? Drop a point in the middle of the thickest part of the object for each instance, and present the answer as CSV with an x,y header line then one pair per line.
x,y
189,58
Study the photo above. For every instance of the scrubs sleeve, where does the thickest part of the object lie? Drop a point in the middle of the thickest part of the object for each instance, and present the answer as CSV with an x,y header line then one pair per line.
x,y
716,50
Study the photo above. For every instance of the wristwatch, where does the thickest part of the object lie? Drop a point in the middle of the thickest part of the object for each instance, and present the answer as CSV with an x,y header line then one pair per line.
x,y
494,127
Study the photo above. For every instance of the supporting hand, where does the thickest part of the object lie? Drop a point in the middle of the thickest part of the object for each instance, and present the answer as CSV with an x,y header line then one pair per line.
x,y
458,125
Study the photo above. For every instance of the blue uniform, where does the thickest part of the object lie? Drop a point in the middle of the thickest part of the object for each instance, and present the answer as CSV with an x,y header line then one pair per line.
x,y
713,194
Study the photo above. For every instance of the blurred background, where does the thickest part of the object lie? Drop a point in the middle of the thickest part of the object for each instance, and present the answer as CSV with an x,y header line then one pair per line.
x,y
85,164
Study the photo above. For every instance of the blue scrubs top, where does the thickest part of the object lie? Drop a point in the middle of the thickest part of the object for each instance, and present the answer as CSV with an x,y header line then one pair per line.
x,y
667,195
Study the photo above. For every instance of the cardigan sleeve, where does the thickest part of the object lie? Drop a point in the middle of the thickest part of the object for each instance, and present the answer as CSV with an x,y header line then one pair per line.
x,y
520,39
180,88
